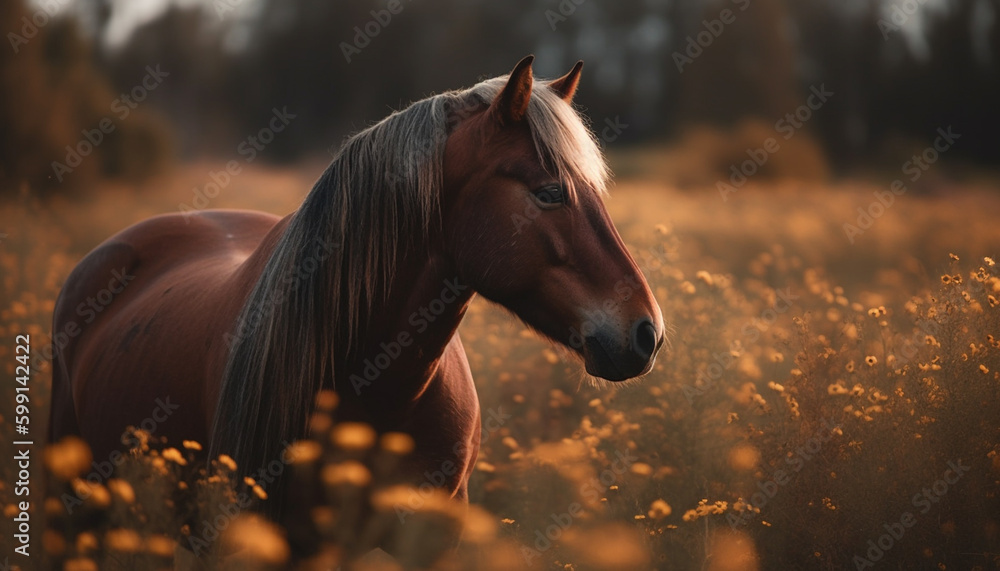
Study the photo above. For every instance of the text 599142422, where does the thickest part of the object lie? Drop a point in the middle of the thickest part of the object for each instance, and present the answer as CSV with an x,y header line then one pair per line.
x,y
22,445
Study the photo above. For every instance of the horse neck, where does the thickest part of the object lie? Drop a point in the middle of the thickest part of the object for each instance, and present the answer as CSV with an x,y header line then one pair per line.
x,y
408,335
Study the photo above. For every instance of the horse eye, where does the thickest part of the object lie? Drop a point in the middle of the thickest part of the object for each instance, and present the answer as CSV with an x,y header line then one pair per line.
x,y
551,195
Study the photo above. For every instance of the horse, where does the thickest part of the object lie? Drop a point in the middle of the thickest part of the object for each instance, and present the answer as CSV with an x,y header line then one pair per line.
x,y
224,324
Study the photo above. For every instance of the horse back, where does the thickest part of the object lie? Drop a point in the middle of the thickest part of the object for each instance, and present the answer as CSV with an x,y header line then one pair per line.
x,y
138,330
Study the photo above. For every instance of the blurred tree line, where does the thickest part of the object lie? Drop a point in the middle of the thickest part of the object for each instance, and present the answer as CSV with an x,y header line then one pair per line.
x,y
59,108
898,70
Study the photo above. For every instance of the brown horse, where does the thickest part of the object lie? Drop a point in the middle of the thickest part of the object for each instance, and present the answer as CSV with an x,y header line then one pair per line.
x,y
227,323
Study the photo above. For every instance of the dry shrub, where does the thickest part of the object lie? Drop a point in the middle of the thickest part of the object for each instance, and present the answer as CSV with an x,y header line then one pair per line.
x,y
704,155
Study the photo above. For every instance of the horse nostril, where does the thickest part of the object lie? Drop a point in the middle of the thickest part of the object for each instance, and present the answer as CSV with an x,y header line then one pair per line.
x,y
644,338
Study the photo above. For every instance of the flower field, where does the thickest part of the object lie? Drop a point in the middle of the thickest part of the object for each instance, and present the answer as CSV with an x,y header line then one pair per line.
x,y
823,404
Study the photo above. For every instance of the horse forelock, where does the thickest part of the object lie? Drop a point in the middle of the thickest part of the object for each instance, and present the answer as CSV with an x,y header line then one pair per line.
x,y
562,137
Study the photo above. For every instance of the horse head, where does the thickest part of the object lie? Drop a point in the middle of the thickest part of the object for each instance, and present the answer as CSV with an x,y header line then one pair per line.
x,y
523,213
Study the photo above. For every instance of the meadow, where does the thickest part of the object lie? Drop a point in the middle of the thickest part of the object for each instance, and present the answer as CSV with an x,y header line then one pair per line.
x,y
823,403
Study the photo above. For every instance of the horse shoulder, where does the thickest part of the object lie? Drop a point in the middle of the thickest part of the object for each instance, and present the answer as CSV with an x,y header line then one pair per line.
x,y
454,376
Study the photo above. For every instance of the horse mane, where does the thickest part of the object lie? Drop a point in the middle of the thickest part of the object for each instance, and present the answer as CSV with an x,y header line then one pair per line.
x,y
377,201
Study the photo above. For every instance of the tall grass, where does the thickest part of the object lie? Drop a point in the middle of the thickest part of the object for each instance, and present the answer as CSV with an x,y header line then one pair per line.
x,y
812,393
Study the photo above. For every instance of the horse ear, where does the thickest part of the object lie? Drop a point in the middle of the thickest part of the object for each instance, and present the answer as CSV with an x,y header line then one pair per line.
x,y
566,85
511,105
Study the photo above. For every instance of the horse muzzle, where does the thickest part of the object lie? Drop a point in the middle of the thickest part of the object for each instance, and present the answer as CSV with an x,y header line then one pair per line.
x,y
611,356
